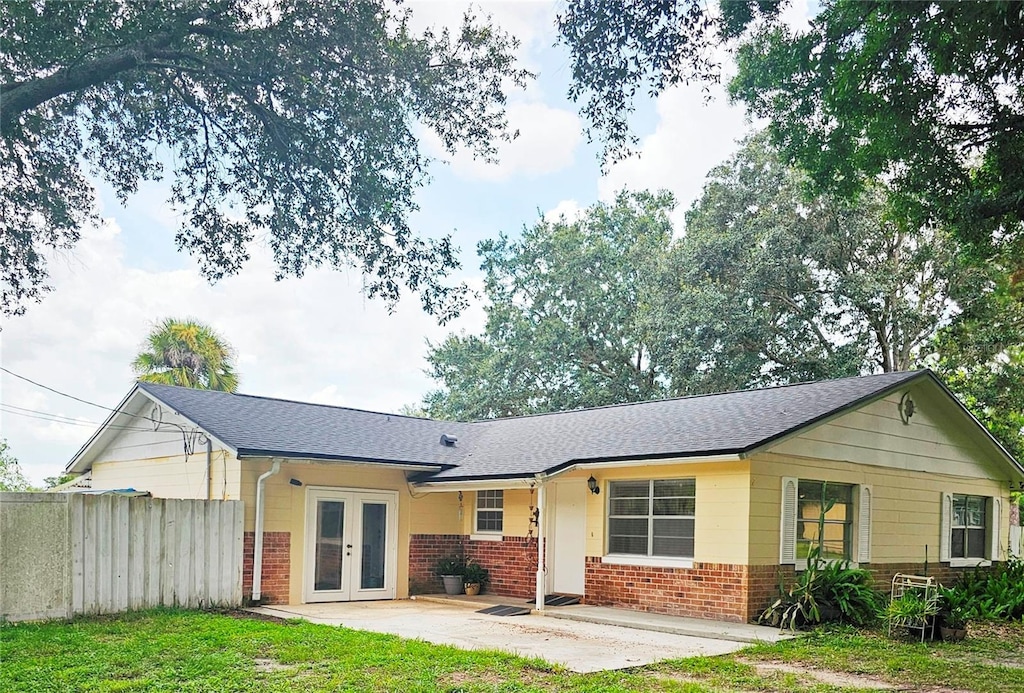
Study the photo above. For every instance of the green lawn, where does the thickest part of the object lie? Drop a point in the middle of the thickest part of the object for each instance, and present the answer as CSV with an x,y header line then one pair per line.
x,y
188,651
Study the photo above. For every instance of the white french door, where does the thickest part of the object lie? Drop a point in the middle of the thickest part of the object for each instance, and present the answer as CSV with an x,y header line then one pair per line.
x,y
351,547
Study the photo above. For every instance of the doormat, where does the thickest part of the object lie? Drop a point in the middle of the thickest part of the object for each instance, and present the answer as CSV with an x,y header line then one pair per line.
x,y
558,600
504,610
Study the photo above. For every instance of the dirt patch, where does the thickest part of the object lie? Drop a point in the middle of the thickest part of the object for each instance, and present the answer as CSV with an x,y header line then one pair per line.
x,y
265,666
835,678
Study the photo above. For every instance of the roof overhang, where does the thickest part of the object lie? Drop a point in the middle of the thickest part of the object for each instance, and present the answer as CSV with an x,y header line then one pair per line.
x,y
307,458
521,481
121,417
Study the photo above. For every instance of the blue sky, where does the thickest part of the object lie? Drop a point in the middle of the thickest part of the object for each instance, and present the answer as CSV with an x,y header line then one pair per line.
x,y
318,338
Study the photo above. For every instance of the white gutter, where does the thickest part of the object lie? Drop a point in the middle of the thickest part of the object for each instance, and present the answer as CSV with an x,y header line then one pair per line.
x,y
541,564
473,485
257,557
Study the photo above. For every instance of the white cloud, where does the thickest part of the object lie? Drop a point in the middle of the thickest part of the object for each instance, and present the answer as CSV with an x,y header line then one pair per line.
x,y
547,143
569,209
315,338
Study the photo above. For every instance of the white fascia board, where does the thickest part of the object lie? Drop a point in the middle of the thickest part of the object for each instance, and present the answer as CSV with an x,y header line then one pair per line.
x,y
622,464
474,485
340,461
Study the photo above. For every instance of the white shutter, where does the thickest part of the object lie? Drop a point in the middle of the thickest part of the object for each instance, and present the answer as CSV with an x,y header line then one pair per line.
x,y
864,526
787,533
994,512
945,524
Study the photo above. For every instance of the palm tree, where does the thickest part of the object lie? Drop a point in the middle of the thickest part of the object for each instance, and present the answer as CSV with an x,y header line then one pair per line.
x,y
187,353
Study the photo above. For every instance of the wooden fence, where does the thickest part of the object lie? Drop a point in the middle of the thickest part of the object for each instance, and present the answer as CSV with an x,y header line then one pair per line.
x,y
68,554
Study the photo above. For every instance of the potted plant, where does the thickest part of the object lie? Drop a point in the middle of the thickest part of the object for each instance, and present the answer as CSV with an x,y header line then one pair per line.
x,y
451,569
954,613
475,578
913,610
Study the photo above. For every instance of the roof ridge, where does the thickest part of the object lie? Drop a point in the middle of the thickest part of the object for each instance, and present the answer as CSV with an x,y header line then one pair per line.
x,y
915,372
145,385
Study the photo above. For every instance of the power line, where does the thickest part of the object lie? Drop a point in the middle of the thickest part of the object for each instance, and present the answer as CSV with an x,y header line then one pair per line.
x,y
57,418
77,399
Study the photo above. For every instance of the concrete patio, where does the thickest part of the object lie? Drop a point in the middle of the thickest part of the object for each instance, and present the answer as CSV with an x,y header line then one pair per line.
x,y
580,638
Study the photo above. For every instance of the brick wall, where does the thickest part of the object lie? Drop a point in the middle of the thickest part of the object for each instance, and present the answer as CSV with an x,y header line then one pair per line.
x,y
276,566
512,562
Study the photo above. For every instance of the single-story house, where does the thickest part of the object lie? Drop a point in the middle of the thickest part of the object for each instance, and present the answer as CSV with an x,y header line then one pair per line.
x,y
692,506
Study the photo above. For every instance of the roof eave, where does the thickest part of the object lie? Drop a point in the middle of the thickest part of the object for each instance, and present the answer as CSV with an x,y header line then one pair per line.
x,y
320,458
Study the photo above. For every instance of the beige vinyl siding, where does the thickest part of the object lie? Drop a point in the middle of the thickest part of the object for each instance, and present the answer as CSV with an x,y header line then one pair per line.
x,y
173,476
905,513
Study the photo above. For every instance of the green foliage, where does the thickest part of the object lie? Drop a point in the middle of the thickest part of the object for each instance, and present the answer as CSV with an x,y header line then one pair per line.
x,y
53,481
295,123
912,608
450,565
620,48
474,573
11,477
825,591
187,353
990,593
954,606
568,320
928,94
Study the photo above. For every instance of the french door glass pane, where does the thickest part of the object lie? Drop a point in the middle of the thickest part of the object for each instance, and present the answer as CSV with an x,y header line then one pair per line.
x,y
374,545
330,554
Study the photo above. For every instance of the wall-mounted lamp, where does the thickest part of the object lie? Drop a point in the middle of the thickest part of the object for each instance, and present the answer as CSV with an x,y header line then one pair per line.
x,y
593,486
295,482
907,408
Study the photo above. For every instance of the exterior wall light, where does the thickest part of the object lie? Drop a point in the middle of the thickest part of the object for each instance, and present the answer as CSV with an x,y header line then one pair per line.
x,y
295,482
593,486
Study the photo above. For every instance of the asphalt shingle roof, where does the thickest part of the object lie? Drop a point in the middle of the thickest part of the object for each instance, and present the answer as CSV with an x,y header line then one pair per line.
x,y
724,423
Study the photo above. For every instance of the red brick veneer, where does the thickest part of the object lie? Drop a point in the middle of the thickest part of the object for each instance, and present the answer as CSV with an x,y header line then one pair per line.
x,y
512,562
274,584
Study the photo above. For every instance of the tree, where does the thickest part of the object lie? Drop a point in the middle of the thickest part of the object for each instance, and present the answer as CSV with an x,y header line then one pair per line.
x,y
11,477
769,286
619,48
567,322
186,353
294,123
929,95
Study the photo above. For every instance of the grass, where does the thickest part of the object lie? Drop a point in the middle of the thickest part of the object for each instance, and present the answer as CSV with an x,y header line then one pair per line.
x,y
169,650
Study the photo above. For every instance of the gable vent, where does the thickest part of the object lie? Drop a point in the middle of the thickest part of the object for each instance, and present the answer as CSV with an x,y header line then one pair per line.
x,y
448,441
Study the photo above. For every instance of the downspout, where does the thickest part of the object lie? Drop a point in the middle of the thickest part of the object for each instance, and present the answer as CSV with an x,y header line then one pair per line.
x,y
541,521
257,557
209,468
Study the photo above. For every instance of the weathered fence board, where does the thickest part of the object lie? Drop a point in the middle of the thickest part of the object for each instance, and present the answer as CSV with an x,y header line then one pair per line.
x,y
1016,544
68,554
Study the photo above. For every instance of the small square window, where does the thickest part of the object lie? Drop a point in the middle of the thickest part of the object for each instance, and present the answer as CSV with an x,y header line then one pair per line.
x,y
490,511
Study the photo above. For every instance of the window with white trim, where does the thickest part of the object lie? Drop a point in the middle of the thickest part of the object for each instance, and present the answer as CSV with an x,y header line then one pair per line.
x,y
847,521
490,511
968,530
837,501
652,517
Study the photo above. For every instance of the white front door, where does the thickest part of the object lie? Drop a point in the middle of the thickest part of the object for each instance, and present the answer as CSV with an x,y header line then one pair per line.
x,y
351,547
566,551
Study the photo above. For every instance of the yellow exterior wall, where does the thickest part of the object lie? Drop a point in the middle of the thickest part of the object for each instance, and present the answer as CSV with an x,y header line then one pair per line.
x,y
516,521
906,505
285,508
173,476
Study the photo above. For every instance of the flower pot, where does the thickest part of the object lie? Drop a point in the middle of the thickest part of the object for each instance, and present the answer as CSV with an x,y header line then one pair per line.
x,y
472,588
953,634
452,584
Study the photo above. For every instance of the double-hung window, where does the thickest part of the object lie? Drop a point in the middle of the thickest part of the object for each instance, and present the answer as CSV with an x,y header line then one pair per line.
x,y
651,517
490,512
967,533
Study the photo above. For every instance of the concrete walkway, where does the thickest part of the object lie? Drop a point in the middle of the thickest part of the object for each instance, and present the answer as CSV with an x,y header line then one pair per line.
x,y
578,645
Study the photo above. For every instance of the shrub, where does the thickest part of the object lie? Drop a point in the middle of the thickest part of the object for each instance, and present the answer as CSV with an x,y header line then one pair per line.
x,y
825,591
990,593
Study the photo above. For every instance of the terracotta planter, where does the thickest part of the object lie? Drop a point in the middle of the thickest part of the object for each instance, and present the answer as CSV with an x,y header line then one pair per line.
x,y
472,588
452,584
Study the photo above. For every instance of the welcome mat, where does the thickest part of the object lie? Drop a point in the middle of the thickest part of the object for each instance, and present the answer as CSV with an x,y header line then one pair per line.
x,y
504,610
558,600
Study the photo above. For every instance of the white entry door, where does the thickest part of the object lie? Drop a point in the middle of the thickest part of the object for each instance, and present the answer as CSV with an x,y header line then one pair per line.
x,y
566,551
351,547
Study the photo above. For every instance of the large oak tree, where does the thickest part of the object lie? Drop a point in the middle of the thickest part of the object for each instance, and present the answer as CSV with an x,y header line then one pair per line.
x,y
292,123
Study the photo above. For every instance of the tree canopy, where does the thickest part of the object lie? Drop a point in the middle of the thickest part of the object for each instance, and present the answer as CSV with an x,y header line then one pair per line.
x,y
11,476
928,94
187,353
764,287
294,124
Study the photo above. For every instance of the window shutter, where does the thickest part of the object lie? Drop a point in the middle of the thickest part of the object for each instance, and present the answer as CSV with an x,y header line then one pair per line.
x,y
945,524
864,526
787,536
993,527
